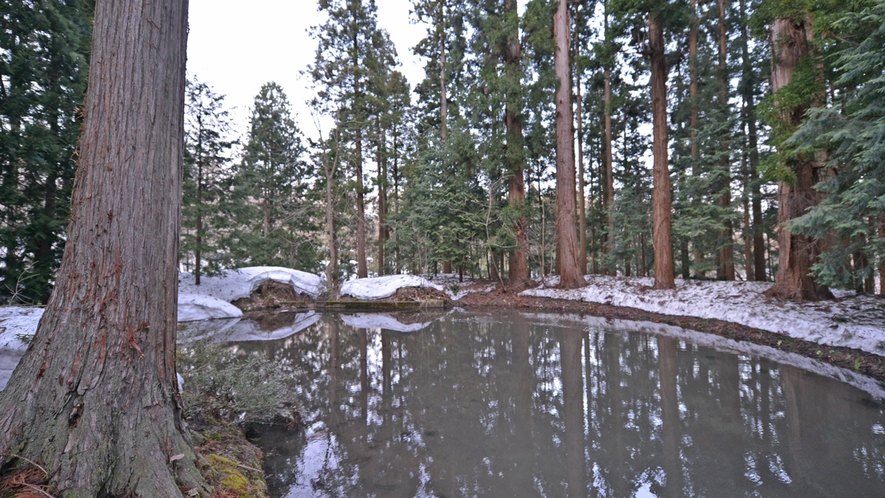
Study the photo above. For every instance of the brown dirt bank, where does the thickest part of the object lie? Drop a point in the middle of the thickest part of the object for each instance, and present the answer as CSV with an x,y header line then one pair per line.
x,y
860,361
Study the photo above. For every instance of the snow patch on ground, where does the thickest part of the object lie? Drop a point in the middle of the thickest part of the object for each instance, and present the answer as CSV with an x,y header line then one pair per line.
x,y
17,325
852,321
384,287
381,321
193,307
240,283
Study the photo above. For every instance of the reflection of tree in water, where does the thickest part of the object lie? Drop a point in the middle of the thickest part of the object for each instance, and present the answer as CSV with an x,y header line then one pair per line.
x,y
506,407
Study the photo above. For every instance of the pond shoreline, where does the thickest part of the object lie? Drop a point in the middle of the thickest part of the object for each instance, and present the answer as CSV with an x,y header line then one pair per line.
x,y
862,362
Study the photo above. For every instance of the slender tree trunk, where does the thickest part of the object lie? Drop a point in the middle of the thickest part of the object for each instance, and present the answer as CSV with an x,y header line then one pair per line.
x,y
518,275
694,117
95,397
723,196
362,268
747,229
382,202
443,98
796,253
661,197
329,171
570,273
582,206
882,261
608,199
749,86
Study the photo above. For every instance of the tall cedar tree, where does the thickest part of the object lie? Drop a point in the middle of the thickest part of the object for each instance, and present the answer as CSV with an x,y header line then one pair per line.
x,y
275,176
351,48
95,397
725,270
570,271
515,155
852,130
43,70
206,154
661,203
795,71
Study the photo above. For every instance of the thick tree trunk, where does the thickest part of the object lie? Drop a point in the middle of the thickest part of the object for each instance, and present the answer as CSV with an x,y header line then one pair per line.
x,y
95,398
570,273
796,253
723,198
518,275
661,197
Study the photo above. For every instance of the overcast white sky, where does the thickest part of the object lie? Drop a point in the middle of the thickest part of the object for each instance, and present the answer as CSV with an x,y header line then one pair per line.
x,y
238,46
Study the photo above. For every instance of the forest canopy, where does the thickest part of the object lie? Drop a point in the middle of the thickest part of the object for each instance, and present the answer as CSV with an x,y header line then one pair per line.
x,y
771,141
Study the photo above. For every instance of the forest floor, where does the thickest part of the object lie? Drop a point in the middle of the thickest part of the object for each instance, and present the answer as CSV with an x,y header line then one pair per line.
x,y
860,361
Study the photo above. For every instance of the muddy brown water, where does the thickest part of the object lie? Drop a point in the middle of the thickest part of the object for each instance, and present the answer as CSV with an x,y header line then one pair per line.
x,y
545,405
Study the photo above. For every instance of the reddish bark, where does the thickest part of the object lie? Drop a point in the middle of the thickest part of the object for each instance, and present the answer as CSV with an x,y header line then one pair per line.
x,y
518,276
796,253
661,197
570,273
95,397
723,199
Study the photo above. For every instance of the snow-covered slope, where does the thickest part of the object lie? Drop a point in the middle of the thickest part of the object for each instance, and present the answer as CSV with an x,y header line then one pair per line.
x,y
852,321
383,287
240,283
193,307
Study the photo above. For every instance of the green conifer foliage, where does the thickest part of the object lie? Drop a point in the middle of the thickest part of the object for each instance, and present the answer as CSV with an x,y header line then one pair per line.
x,y
207,157
852,130
277,218
44,60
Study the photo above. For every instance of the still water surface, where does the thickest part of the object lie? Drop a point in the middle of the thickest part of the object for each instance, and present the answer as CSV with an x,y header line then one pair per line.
x,y
527,405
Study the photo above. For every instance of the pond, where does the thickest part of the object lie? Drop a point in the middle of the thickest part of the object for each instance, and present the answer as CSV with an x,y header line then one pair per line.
x,y
560,405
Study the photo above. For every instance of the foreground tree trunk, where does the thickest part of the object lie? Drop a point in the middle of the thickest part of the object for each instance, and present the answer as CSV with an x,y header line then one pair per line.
x,y
94,399
661,197
570,273
796,253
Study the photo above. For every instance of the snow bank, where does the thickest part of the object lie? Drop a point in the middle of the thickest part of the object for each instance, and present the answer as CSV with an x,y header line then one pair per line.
x,y
381,321
854,321
383,287
238,284
193,307
16,324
